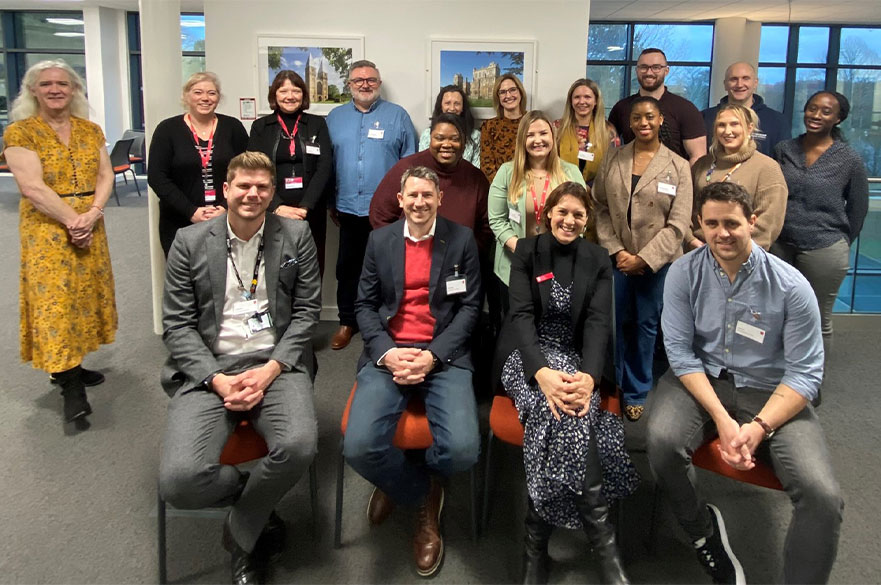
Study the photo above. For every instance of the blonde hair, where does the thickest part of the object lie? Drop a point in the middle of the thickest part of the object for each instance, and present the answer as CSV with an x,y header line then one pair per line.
x,y
26,105
598,133
250,160
199,77
497,103
746,116
521,173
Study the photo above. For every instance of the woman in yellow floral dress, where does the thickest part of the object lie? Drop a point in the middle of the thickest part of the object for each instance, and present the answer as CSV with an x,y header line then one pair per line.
x,y
60,162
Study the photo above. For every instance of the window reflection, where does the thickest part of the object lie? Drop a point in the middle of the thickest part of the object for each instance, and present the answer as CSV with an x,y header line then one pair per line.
x,y
774,43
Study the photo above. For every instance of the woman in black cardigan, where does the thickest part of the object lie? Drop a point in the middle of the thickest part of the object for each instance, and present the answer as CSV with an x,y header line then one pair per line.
x,y
300,146
553,344
188,158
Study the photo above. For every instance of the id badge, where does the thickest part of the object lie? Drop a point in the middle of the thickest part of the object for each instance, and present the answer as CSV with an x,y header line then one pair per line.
x,y
585,155
514,215
244,307
293,182
210,195
456,285
750,331
312,148
376,133
667,189
259,322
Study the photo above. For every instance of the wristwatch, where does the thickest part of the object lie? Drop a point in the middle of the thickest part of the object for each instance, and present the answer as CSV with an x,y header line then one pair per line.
x,y
769,432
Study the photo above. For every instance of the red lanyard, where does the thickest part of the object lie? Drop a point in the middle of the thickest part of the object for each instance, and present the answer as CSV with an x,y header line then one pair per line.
x,y
290,135
538,207
204,154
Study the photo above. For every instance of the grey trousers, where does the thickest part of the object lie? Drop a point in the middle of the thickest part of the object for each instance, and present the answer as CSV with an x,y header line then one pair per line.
x,y
197,428
678,424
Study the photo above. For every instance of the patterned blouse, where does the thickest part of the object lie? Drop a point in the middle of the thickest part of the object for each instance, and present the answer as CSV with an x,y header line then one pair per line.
x,y
497,139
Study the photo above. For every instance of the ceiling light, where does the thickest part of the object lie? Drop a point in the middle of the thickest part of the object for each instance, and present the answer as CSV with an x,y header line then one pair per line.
x,y
65,21
192,24
614,48
69,34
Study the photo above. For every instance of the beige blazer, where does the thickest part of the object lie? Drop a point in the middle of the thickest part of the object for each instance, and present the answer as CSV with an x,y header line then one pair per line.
x,y
659,221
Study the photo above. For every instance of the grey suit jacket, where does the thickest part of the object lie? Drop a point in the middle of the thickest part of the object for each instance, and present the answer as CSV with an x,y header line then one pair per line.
x,y
195,287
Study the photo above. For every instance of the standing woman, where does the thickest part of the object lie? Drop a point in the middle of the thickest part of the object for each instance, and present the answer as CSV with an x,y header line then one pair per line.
x,y
189,155
583,133
498,135
299,145
518,193
733,157
60,162
828,200
452,100
644,199
553,346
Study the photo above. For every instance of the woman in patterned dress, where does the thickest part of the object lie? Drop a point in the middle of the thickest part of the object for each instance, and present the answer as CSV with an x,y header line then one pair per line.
x,y
553,344
59,160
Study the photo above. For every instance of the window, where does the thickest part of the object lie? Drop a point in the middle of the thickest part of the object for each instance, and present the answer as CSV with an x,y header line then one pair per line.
x,y
613,48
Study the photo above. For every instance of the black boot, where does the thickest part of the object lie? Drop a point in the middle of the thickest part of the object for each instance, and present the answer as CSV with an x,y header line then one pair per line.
x,y
594,511
536,561
76,405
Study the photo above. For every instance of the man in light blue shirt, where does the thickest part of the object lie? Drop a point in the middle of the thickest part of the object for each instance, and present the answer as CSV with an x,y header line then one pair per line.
x,y
369,136
742,333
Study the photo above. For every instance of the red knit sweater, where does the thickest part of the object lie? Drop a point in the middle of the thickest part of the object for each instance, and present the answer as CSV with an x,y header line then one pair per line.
x,y
414,322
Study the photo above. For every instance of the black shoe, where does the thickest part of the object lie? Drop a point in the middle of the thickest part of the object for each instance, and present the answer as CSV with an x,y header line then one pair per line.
x,y
88,377
271,542
76,405
715,554
536,560
244,569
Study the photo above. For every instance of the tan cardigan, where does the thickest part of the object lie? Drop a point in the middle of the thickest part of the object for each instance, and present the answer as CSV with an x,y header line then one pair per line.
x,y
658,221
762,178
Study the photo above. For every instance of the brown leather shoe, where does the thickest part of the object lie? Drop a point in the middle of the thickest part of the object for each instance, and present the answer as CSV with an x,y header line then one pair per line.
x,y
342,337
428,544
379,507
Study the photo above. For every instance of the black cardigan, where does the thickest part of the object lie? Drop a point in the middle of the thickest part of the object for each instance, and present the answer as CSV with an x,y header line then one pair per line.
x,y
317,169
591,305
174,170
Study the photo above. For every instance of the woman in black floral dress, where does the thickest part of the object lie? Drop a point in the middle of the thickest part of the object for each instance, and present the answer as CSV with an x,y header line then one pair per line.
x,y
553,345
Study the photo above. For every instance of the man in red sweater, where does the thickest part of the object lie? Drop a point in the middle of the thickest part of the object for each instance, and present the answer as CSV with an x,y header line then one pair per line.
x,y
418,301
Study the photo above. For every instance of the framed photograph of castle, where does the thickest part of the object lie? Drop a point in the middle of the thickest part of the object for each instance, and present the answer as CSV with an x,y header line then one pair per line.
x,y
322,62
475,65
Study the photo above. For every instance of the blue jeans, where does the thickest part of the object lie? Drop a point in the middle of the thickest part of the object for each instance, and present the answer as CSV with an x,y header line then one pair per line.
x,y
638,303
678,424
376,408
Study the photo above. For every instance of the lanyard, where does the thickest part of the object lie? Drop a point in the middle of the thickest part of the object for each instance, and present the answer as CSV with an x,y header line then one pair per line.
x,y
204,155
290,135
535,204
728,176
248,294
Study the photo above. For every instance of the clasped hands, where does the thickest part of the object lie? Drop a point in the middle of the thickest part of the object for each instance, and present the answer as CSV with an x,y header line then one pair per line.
x,y
408,365
738,443
630,264
567,393
242,392
292,212
80,231
207,212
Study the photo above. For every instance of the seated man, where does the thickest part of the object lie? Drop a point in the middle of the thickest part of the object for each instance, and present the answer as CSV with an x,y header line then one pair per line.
x,y
242,297
742,332
418,301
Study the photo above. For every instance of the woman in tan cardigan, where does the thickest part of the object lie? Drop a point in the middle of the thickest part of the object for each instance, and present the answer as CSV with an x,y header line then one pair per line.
x,y
733,157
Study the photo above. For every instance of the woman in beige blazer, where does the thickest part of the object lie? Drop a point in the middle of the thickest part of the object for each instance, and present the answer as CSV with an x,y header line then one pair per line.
x,y
644,198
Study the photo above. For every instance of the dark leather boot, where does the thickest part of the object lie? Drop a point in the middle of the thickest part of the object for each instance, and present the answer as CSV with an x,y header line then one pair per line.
x,y
536,561
76,405
594,511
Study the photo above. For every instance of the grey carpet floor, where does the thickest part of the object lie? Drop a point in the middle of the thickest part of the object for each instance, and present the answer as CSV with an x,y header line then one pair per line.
x,y
79,506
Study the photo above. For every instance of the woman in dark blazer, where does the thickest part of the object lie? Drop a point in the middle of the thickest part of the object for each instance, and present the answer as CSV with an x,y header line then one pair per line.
x,y
189,155
553,346
299,145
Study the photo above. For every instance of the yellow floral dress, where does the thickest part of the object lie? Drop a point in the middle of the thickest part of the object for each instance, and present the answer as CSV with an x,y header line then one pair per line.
x,y
67,299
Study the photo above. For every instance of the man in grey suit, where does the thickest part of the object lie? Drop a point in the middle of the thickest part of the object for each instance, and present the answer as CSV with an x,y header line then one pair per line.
x,y
242,298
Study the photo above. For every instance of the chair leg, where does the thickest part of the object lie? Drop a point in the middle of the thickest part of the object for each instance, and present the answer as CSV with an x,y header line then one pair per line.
x,y
313,492
135,179
338,517
115,194
486,481
474,503
160,533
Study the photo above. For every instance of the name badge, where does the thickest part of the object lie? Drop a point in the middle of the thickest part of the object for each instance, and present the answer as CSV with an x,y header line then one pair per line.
x,y
210,195
750,331
584,155
313,149
759,136
544,277
293,182
259,322
375,133
456,285
667,189
244,307
514,215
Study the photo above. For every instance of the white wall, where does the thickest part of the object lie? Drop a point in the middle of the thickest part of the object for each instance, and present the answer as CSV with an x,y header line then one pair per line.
x,y
106,70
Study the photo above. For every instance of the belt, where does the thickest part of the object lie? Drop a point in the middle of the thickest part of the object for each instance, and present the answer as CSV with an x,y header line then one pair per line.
x,y
83,194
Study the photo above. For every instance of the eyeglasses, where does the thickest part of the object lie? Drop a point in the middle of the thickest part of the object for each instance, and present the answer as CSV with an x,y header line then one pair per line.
x,y
509,91
654,68
364,81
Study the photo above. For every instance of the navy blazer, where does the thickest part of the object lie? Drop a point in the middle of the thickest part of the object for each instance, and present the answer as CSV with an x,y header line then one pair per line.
x,y
382,286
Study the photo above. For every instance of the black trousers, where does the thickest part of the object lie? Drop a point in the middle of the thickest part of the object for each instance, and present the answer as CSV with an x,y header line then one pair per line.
x,y
354,231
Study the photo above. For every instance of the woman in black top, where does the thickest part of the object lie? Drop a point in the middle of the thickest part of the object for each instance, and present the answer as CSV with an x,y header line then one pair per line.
x,y
188,158
299,144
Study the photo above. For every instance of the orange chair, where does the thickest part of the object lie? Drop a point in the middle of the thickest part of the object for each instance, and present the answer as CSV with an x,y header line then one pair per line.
x,y
412,433
244,445
119,161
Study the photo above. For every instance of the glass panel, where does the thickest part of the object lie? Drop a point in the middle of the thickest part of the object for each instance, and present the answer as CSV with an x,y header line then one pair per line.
x,y
680,42
78,62
2,41
772,47
4,97
192,65
607,42
863,126
807,82
813,44
51,30
772,85
857,46
134,31
611,82
692,83
192,32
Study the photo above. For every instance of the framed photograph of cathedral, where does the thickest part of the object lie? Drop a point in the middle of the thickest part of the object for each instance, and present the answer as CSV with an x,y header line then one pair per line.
x,y
476,65
322,62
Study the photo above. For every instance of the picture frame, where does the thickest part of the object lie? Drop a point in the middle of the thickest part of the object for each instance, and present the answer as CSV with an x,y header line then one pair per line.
x,y
474,66
322,61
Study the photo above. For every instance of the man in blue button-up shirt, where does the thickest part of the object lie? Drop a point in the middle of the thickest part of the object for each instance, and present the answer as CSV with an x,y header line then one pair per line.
x,y
369,136
742,332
